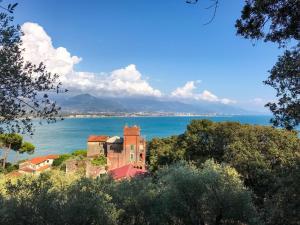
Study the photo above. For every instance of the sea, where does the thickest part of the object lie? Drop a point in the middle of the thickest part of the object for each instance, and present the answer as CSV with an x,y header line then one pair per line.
x,y
71,133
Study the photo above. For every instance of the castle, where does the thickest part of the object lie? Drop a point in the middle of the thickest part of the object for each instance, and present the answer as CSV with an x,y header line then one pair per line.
x,y
131,149
125,156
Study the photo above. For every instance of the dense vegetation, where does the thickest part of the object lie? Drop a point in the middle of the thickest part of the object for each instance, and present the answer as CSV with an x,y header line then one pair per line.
x,y
60,162
179,194
268,160
99,161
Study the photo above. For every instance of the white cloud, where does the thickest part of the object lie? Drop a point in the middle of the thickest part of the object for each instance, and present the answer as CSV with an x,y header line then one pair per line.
x,y
38,48
126,81
188,92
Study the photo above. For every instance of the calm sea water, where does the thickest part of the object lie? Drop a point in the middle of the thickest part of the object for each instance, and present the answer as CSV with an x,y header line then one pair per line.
x,y
71,134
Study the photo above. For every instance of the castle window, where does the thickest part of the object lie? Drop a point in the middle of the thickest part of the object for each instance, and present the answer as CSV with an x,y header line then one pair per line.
x,y
132,148
131,157
141,157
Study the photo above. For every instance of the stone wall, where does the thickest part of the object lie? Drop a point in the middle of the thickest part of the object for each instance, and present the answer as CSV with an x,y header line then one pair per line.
x,y
74,165
93,171
95,149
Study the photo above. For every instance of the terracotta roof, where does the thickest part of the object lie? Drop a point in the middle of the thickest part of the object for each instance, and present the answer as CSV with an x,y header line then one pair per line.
x,y
134,131
95,138
27,169
14,174
40,159
126,171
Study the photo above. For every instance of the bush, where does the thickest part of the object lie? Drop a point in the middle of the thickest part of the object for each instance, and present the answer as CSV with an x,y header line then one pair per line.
x,y
62,158
99,161
180,194
80,152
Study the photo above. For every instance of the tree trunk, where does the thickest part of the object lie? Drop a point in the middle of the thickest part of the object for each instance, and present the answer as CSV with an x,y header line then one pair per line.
x,y
5,156
17,157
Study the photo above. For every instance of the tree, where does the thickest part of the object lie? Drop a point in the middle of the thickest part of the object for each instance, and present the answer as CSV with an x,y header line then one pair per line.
x,y
26,147
270,20
260,154
212,195
283,207
8,142
275,21
285,79
163,151
278,21
14,142
24,87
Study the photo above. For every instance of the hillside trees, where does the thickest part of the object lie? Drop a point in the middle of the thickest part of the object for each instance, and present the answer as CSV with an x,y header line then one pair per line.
x,y
24,87
180,194
260,154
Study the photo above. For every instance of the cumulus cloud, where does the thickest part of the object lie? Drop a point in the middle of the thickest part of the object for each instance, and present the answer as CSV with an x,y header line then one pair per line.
x,y
126,81
38,48
188,91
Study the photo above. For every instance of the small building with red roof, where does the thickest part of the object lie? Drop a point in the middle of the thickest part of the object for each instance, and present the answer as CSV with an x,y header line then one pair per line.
x,y
37,165
96,145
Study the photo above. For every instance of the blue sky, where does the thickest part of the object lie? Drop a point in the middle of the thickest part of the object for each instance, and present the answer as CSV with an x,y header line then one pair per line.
x,y
165,40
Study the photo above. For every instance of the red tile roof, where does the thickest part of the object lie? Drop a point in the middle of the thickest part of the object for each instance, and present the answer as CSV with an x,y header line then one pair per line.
x,y
95,138
14,174
38,160
132,131
126,171
27,169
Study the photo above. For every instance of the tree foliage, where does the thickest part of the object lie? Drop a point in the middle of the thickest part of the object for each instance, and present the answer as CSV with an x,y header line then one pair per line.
x,y
270,20
285,79
99,161
260,154
24,87
277,21
177,195
14,142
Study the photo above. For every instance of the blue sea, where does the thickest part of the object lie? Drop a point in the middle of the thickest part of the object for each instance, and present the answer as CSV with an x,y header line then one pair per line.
x,y
71,134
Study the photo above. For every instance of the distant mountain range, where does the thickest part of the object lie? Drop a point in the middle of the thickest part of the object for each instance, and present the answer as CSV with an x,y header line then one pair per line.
x,y
86,103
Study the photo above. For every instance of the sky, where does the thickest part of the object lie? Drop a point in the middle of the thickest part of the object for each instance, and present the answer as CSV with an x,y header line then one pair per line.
x,y
150,48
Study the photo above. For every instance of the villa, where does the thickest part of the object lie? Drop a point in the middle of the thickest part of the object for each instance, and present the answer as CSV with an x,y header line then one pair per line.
x,y
37,165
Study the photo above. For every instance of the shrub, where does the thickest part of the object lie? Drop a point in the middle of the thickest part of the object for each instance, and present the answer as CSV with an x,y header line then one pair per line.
x,y
61,159
99,161
80,152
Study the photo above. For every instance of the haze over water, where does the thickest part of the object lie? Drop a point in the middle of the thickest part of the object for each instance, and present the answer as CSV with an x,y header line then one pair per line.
x,y
71,134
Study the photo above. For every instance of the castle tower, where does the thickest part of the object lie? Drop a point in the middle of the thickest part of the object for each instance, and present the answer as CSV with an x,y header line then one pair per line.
x,y
134,147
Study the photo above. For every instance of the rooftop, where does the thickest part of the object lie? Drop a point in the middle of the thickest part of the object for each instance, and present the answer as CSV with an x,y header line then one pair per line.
x,y
131,131
95,138
38,160
126,171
